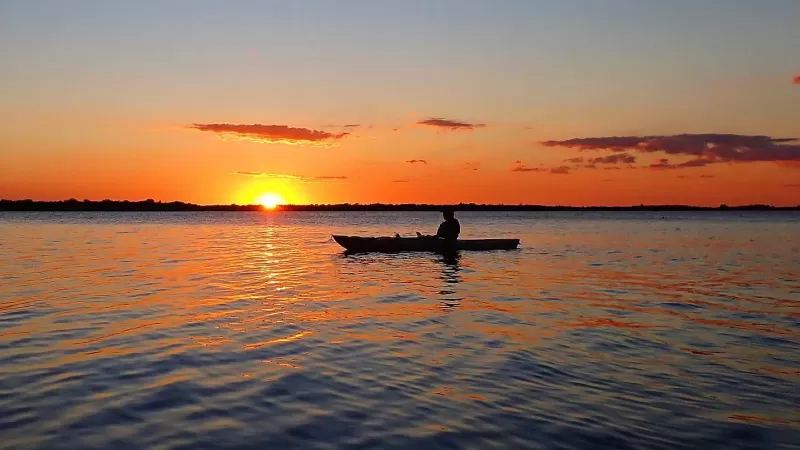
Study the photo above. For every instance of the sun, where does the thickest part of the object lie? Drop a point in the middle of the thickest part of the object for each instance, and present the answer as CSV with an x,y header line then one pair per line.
x,y
270,200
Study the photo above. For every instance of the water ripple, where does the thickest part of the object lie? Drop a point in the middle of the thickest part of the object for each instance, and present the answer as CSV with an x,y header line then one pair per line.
x,y
255,331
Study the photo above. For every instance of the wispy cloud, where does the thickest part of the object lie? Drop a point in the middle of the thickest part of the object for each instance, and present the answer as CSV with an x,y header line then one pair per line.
x,y
528,169
665,164
561,170
349,125
472,165
704,148
520,167
621,158
417,161
661,164
295,178
254,174
592,163
683,177
271,175
271,134
401,181
450,124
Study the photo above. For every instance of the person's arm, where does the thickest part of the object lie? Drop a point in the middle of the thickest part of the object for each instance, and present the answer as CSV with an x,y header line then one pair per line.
x,y
441,231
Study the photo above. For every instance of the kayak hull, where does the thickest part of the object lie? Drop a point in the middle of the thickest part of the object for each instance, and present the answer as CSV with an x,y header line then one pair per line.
x,y
357,244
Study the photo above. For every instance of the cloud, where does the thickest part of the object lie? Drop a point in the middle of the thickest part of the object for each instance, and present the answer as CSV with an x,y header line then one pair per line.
x,y
704,148
661,164
472,165
621,158
450,124
561,170
252,174
792,185
591,163
351,125
401,181
665,164
295,178
523,168
270,134
683,177
796,80
417,161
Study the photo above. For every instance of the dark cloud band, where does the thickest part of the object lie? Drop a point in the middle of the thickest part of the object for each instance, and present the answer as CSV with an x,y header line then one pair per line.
x,y
704,148
560,170
270,134
450,124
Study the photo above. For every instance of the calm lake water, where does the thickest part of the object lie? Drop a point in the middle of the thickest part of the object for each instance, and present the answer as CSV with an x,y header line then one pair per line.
x,y
253,330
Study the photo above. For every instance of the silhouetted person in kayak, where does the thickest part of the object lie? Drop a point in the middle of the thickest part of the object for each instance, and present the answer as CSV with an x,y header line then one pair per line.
x,y
449,229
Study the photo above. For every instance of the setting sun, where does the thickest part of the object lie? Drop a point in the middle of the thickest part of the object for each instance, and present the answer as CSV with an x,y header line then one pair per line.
x,y
270,200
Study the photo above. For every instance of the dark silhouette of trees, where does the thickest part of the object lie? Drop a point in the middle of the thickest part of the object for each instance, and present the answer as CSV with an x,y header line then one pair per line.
x,y
114,205
152,205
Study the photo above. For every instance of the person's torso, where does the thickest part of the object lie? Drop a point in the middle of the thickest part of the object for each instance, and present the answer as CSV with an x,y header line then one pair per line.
x,y
450,228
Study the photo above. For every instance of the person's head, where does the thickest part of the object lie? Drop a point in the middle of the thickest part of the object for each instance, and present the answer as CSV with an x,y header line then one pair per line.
x,y
448,214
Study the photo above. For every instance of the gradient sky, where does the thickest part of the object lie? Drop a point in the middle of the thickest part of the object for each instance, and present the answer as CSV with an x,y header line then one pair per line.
x,y
221,102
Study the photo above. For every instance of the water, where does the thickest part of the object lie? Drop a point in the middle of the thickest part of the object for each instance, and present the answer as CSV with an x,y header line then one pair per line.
x,y
253,330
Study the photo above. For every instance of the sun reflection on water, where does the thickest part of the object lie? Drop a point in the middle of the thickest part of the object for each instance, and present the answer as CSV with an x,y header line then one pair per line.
x,y
262,313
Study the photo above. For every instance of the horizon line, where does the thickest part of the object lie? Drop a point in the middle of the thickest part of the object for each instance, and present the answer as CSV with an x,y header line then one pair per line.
x,y
74,204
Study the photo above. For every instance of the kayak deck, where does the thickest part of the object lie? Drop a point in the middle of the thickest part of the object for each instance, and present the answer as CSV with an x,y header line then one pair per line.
x,y
359,244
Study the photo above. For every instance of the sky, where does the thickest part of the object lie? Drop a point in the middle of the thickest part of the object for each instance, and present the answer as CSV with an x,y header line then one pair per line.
x,y
557,102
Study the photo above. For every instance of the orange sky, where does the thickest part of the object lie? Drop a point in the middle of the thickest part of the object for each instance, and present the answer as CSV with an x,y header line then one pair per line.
x,y
494,100
202,167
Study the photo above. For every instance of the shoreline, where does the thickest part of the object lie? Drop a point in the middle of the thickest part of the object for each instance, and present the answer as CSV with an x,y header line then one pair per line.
x,y
154,206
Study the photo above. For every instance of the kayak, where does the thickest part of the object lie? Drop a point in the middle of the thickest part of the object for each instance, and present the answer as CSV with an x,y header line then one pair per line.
x,y
420,244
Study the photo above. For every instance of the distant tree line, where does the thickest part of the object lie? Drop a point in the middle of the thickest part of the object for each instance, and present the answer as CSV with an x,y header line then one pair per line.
x,y
152,205
521,207
117,205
